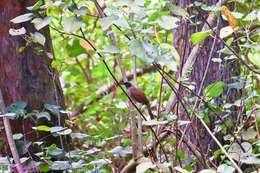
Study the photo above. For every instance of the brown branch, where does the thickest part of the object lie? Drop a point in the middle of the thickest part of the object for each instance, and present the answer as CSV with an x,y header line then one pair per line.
x,y
9,136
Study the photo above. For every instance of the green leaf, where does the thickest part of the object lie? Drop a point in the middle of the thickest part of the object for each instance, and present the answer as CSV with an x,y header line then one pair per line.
x,y
22,18
168,56
78,135
71,24
223,168
122,23
75,49
36,6
177,10
45,115
106,22
44,167
183,122
168,22
22,146
111,49
60,165
121,105
54,109
55,152
40,23
154,122
42,128
199,37
254,57
17,136
100,162
81,11
251,16
15,32
144,166
143,50
38,38
214,90
249,134
119,150
56,129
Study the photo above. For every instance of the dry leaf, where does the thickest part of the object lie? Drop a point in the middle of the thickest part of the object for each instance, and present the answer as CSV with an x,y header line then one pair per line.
x,y
232,21
226,31
85,44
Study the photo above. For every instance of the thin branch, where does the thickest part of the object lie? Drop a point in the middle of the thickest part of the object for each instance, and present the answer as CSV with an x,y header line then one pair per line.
x,y
9,136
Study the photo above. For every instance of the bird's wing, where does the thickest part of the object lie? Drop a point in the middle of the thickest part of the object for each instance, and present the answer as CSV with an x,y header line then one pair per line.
x,y
138,95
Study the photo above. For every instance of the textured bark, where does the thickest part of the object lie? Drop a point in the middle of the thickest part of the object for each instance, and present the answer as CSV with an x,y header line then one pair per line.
x,y
215,72
25,76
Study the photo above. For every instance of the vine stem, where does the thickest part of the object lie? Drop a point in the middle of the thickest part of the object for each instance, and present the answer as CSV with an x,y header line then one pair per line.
x,y
9,136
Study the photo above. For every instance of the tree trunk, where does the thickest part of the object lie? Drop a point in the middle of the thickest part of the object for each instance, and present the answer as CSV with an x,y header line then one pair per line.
x,y
215,73
28,75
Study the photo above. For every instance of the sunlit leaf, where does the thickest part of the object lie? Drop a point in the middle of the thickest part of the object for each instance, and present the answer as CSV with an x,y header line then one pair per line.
x,y
110,49
106,22
42,128
144,166
119,150
254,57
38,38
79,135
22,18
121,105
154,122
81,11
251,16
122,23
179,11
168,22
226,31
223,168
45,115
15,32
54,109
56,129
100,162
214,90
36,6
208,171
40,23
17,136
71,24
199,37
60,165
145,51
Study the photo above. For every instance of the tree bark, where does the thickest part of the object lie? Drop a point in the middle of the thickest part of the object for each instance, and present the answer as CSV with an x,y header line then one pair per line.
x,y
28,75
215,73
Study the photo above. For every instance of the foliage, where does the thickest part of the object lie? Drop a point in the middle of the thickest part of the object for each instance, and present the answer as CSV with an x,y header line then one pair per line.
x,y
100,133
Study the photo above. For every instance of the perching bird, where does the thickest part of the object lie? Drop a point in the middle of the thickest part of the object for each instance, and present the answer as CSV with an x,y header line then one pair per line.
x,y
137,95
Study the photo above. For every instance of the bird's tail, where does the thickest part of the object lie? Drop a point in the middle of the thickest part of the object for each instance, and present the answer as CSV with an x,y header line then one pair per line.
x,y
150,111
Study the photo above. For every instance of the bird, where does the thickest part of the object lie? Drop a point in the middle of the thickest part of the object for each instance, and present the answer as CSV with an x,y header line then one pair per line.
x,y
138,96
